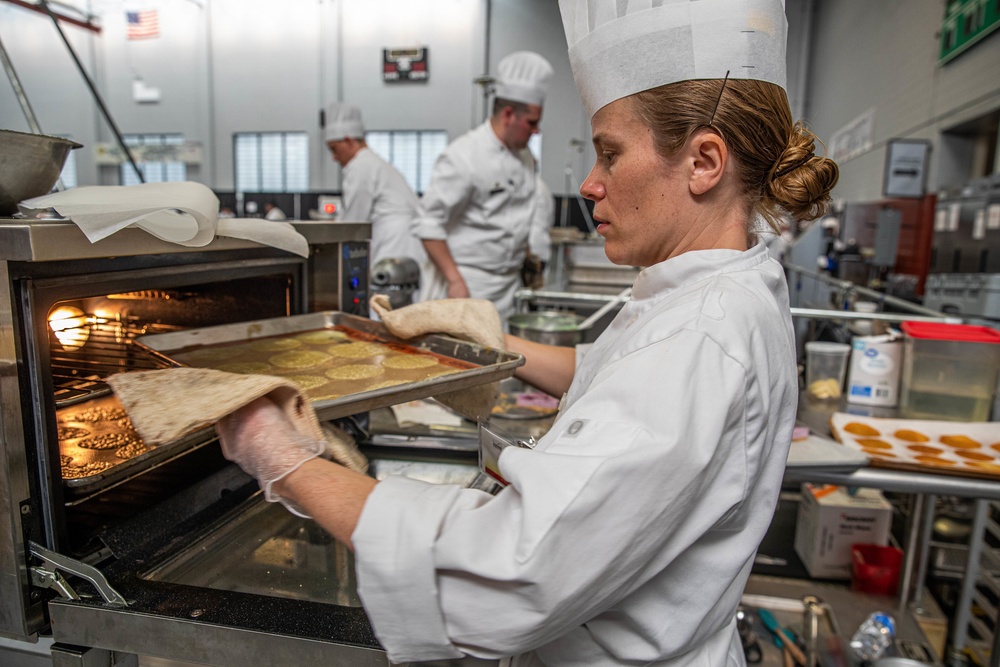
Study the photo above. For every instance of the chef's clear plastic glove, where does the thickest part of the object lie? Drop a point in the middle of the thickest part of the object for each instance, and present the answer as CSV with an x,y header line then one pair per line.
x,y
474,320
260,439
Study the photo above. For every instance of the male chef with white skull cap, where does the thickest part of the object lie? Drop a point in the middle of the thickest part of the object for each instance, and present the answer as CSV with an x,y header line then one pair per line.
x,y
627,533
475,218
373,190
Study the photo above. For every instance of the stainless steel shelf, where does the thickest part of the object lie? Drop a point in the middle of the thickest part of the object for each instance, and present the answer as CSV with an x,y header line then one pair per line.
x,y
901,481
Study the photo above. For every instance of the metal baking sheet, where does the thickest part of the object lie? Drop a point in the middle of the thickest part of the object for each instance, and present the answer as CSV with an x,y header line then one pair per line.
x,y
476,365
98,446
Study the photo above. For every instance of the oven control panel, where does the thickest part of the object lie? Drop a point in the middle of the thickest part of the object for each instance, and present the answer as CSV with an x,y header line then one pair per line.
x,y
354,278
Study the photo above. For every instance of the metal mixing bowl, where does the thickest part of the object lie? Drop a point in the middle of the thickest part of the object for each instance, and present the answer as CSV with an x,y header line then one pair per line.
x,y
29,166
550,327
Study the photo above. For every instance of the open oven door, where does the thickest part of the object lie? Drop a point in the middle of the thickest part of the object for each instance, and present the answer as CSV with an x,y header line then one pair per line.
x,y
218,576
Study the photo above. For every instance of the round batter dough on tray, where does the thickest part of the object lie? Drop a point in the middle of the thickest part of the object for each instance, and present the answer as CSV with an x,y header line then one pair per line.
x,y
99,414
873,443
910,436
974,455
307,382
299,359
961,442
109,441
71,432
247,368
407,361
321,336
132,450
925,449
275,344
86,470
879,453
857,428
354,372
359,350
936,461
984,466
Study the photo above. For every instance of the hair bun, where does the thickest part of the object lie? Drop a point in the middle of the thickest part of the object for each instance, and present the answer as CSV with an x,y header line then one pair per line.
x,y
800,181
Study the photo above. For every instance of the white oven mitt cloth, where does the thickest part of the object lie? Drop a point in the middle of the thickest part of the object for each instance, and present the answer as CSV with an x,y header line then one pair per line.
x,y
473,320
266,425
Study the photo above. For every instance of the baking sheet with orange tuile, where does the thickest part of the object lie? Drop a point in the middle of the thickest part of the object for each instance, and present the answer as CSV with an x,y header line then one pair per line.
x,y
967,449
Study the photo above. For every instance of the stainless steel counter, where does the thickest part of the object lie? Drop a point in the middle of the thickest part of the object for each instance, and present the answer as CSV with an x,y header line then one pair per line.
x,y
925,488
32,240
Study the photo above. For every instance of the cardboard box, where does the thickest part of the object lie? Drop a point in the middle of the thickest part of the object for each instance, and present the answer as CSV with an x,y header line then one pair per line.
x,y
830,520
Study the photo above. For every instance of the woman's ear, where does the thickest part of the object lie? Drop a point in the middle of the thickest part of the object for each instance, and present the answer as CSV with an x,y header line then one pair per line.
x,y
707,154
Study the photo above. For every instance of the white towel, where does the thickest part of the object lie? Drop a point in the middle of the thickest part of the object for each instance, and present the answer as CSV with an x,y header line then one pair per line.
x,y
185,213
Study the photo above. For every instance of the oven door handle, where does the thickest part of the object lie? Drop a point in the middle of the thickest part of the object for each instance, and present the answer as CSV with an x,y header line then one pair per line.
x,y
82,570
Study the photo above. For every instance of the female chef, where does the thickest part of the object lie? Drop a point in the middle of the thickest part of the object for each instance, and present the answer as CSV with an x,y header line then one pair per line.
x,y
627,535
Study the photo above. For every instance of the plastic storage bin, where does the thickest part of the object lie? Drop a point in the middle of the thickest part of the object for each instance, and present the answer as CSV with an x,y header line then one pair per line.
x,y
875,568
949,371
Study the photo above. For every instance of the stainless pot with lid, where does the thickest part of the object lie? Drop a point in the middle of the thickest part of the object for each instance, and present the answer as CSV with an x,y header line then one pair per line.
x,y
551,327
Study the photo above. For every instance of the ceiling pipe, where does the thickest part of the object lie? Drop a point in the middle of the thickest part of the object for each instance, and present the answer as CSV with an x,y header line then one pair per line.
x,y
87,25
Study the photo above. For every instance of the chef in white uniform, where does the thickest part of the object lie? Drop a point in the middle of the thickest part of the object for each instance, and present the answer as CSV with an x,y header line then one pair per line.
x,y
627,534
476,215
374,191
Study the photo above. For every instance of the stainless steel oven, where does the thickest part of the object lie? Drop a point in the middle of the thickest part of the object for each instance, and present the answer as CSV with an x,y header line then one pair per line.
x,y
169,554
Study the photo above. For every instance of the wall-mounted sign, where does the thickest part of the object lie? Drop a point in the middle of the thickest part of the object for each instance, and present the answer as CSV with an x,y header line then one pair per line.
x,y
906,168
966,22
853,139
400,65
190,152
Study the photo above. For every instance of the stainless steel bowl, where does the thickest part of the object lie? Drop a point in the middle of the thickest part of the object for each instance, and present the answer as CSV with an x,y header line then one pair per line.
x,y
549,327
29,166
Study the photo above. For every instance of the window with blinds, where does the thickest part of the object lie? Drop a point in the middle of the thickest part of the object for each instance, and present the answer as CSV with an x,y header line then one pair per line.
x,y
413,152
535,146
271,161
68,174
153,171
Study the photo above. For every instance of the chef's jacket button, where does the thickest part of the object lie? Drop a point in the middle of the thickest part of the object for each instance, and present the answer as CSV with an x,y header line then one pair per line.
x,y
575,427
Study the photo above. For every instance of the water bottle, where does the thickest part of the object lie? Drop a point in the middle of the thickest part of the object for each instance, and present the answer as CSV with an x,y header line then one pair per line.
x,y
873,637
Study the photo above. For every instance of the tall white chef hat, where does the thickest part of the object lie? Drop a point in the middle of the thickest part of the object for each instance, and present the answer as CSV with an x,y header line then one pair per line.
x,y
342,121
621,47
523,76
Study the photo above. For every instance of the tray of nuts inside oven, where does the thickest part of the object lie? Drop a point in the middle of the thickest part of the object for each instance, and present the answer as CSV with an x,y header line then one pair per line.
x,y
98,446
968,449
344,363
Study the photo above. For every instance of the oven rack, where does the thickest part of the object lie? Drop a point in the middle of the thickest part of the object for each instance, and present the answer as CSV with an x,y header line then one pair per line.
x,y
78,373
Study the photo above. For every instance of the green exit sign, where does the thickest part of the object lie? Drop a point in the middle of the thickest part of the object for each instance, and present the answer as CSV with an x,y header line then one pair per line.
x,y
965,23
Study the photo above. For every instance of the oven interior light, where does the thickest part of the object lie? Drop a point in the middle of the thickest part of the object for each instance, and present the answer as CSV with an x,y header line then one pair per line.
x,y
70,326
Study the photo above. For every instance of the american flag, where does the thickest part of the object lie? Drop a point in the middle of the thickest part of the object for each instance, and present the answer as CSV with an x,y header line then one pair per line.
x,y
143,25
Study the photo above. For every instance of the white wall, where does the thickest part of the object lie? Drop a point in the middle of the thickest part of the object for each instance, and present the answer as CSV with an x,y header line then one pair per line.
x,y
883,55
55,90
227,66
453,32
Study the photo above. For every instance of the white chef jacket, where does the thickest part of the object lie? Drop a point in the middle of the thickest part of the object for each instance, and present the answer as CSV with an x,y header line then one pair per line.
x,y
628,534
481,200
375,192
